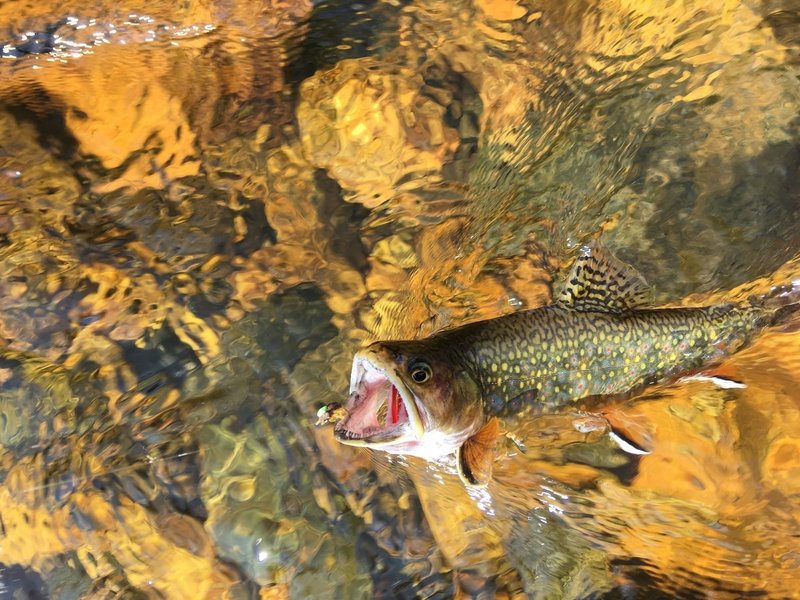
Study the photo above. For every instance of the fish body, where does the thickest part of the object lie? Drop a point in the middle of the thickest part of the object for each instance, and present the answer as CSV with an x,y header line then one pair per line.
x,y
441,394
548,357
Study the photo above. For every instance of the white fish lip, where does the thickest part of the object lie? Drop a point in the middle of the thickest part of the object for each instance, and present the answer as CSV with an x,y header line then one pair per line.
x,y
414,418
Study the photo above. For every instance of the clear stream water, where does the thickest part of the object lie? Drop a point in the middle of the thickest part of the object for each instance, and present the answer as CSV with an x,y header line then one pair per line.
x,y
206,208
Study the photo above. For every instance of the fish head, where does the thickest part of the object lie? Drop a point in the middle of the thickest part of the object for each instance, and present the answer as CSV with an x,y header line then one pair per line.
x,y
409,397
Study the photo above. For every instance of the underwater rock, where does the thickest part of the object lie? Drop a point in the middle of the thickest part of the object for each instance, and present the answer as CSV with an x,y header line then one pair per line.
x,y
555,561
37,403
372,128
240,163
40,289
453,282
197,74
42,185
694,214
284,328
18,582
259,516
186,231
88,96
268,18
40,279
65,577
258,460
118,539
315,237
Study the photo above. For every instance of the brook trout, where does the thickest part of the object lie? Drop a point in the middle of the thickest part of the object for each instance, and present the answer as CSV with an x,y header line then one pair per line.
x,y
445,393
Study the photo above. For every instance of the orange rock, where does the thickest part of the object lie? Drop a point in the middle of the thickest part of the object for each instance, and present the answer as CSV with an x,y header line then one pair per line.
x,y
370,126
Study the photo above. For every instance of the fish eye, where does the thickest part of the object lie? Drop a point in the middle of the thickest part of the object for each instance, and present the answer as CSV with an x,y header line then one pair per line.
x,y
420,372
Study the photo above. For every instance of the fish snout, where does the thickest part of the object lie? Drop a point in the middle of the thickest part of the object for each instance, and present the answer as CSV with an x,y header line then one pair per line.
x,y
380,353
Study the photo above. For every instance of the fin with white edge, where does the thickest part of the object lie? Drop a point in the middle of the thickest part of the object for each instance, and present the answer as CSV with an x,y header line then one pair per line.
x,y
625,444
724,383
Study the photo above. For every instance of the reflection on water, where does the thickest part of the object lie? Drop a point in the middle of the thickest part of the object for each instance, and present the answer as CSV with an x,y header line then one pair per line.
x,y
206,208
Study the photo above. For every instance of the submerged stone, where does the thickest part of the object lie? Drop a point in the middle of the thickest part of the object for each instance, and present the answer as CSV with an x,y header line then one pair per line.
x,y
37,403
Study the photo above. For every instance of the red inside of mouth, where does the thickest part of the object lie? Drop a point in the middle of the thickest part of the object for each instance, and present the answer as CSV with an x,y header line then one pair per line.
x,y
375,408
396,404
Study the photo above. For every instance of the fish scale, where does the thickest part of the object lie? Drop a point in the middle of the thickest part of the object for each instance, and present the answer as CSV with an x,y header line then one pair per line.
x,y
561,355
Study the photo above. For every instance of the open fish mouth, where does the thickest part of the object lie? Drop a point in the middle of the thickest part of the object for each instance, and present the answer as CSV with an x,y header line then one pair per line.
x,y
381,410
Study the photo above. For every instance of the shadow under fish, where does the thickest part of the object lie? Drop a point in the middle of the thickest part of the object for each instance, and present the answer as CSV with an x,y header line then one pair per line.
x,y
447,393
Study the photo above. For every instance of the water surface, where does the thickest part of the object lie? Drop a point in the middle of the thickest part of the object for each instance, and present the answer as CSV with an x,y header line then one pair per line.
x,y
206,209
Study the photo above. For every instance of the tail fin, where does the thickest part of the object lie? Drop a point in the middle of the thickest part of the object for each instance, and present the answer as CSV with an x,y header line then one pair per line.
x,y
783,301
785,314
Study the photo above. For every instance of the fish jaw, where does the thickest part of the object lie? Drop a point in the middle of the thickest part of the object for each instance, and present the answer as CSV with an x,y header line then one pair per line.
x,y
373,384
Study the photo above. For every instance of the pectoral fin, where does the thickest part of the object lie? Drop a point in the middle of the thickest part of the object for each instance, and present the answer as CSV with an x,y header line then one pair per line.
x,y
588,423
625,444
475,456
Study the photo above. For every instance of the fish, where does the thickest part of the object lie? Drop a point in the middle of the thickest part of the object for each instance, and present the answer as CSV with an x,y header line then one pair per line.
x,y
446,394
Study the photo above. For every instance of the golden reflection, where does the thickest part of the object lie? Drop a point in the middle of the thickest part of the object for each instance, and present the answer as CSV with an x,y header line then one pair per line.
x,y
200,224
370,128
149,556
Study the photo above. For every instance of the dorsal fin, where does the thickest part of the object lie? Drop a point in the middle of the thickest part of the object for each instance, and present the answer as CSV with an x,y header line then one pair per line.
x,y
600,282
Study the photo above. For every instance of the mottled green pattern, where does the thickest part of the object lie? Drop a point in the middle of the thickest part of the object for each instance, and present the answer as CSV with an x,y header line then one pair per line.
x,y
553,355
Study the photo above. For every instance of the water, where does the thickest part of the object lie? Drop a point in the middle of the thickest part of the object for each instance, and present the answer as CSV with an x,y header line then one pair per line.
x,y
206,209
